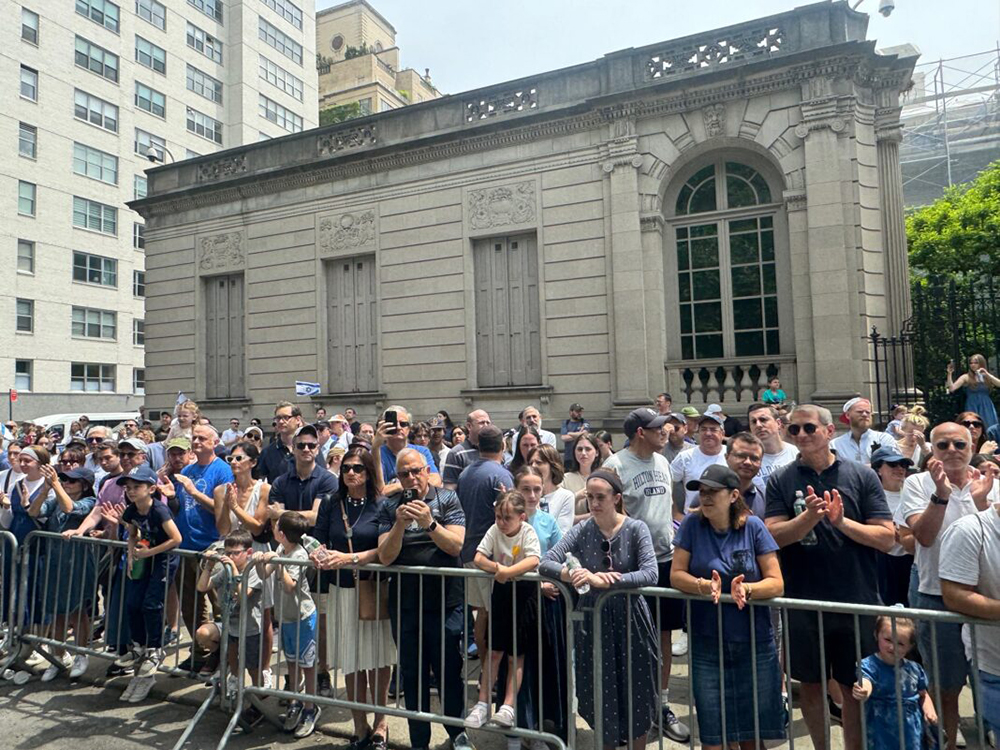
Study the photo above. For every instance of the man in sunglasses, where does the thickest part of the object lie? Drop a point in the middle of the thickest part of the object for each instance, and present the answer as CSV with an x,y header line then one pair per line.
x,y
304,487
829,551
391,436
95,436
932,501
858,443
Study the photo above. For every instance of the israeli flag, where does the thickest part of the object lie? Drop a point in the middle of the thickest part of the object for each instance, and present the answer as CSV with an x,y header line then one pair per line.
x,y
305,388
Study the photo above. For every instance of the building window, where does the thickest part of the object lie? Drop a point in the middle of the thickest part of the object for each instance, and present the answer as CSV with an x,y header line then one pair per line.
x,y
98,165
96,59
203,125
204,85
139,187
279,40
283,118
98,217
508,342
150,100
94,324
138,332
384,106
139,236
87,376
27,140
22,374
26,192
25,256
352,315
95,111
287,10
138,283
102,12
211,8
365,105
189,154
139,381
204,43
224,322
148,54
726,271
29,26
25,315
280,78
152,12
95,269
143,142
29,83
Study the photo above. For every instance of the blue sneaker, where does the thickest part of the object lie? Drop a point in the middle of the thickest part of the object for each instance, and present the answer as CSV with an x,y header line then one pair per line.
x,y
473,651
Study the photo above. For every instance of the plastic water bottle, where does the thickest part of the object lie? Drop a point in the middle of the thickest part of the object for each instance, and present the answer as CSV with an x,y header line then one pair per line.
x,y
809,540
572,563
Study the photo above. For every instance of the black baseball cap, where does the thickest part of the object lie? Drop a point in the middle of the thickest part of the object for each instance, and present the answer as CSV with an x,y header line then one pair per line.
x,y
644,417
716,476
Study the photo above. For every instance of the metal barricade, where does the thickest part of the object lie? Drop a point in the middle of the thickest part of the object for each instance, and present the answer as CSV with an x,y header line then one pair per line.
x,y
8,601
831,618
411,632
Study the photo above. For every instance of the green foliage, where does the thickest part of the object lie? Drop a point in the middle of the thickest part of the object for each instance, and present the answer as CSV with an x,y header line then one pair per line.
x,y
351,52
339,113
955,234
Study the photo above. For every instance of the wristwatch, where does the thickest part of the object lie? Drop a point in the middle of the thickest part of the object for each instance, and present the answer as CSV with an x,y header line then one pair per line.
x,y
356,559
938,501
434,525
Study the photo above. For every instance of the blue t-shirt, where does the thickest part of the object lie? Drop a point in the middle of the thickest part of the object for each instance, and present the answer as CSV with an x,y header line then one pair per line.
x,y
152,525
546,529
731,553
197,524
478,486
389,461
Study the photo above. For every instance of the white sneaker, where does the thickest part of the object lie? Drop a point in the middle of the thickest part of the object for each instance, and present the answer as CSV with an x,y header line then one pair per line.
x,y
35,660
266,679
960,738
80,664
151,663
505,716
8,674
53,670
132,657
142,689
478,716
129,689
680,646
21,677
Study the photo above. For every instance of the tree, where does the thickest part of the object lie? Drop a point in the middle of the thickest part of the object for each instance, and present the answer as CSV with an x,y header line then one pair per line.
x,y
955,234
339,113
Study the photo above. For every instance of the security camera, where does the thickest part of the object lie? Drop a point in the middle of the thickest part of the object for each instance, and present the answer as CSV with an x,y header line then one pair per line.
x,y
152,155
886,7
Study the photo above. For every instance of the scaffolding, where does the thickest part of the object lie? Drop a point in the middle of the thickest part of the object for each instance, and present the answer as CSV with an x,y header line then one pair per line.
x,y
951,124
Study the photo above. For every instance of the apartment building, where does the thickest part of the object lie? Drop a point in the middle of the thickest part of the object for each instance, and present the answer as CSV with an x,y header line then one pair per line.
x,y
93,93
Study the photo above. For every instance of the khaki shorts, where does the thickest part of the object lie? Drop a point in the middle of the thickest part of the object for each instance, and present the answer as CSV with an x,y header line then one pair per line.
x,y
478,590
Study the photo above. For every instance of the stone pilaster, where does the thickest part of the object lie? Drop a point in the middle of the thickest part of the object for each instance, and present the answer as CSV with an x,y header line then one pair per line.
x,y
888,135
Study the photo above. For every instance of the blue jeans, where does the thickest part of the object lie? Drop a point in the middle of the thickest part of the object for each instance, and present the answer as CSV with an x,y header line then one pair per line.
x,y
990,699
144,600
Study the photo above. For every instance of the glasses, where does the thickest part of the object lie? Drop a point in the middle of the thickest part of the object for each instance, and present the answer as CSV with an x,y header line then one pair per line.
x,y
808,428
127,454
751,457
282,417
606,549
306,446
236,459
409,472
402,424
353,468
943,445
970,423
94,440
64,462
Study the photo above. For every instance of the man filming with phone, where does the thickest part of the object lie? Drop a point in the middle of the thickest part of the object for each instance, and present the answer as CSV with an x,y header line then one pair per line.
x,y
392,436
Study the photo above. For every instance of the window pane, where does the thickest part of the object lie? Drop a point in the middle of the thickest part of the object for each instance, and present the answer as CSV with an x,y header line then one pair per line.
x,y
746,314
25,256
749,344
770,282
683,259
682,200
743,248
27,140
739,193
684,287
705,253
773,345
687,347
771,312
708,317
746,281
686,326
767,245
703,198
706,285
709,347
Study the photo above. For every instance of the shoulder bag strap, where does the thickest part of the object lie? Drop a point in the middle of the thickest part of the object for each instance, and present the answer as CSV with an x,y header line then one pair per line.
x,y
348,532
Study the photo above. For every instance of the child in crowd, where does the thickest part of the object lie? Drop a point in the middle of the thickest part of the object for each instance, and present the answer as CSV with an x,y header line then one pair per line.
x,y
877,688
297,613
509,549
237,548
151,533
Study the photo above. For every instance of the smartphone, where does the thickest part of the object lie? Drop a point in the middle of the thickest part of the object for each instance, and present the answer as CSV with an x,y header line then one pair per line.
x,y
408,496
393,419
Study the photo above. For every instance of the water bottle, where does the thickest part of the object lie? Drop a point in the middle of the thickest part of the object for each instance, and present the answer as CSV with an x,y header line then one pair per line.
x,y
310,544
572,564
809,540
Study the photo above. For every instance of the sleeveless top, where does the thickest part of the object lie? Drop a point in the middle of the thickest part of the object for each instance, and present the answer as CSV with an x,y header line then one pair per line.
x,y
260,540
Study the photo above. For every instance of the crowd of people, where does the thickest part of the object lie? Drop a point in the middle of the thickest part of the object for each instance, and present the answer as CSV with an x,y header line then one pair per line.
x,y
696,504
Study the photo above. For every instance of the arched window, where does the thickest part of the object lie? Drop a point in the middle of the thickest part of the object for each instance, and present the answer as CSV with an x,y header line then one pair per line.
x,y
725,262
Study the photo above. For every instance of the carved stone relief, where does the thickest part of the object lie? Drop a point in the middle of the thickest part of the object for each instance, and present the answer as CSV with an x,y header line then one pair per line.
x,y
341,140
502,206
501,104
225,167
348,231
715,120
221,252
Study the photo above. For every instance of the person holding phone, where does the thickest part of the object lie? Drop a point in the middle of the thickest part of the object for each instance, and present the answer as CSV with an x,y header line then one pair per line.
x,y
392,435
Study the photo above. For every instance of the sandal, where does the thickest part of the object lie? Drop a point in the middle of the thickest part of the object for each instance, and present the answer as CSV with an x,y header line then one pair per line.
x,y
358,743
378,742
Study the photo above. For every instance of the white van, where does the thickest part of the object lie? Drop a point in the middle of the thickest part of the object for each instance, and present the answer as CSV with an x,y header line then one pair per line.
x,y
62,422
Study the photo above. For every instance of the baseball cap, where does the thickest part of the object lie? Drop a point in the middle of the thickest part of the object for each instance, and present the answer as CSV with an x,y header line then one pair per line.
x,y
644,417
141,473
80,442
84,475
690,412
714,416
307,429
716,476
576,407
438,424
677,416
713,409
136,443
179,442
338,418
887,455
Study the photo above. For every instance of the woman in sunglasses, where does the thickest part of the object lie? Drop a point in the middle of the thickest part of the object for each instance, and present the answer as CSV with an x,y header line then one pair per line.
x,y
979,384
616,551
977,428
721,547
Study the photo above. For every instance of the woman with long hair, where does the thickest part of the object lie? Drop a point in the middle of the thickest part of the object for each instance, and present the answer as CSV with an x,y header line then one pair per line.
x,y
978,383
607,448
977,428
449,426
526,441
587,455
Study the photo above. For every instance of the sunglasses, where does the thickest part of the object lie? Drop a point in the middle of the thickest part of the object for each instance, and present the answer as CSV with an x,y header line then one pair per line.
x,y
236,459
94,440
970,423
607,562
410,472
943,445
352,468
127,454
306,446
402,424
808,428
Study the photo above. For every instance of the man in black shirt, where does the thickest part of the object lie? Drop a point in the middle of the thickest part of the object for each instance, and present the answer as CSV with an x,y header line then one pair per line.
x,y
277,458
423,525
828,551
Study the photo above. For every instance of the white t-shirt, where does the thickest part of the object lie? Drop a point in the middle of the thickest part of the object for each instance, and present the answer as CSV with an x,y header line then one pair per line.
x,y
771,462
971,556
690,465
547,438
561,505
507,550
917,491
647,496
231,436
894,500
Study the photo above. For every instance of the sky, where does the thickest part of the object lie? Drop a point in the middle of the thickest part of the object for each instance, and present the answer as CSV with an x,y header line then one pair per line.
x,y
473,43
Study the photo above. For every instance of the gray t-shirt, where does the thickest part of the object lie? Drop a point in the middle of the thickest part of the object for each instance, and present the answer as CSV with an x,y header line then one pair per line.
x,y
297,604
255,590
647,496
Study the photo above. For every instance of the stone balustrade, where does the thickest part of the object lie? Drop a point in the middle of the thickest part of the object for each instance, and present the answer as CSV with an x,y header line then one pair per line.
x,y
733,383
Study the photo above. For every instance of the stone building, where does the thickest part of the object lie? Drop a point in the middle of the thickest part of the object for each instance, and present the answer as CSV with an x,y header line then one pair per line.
x,y
686,216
